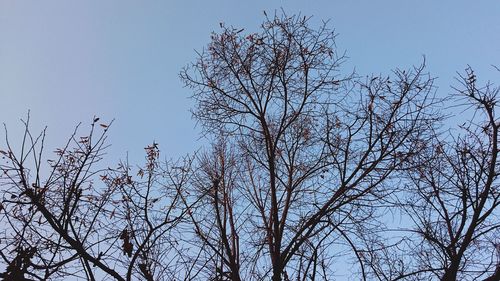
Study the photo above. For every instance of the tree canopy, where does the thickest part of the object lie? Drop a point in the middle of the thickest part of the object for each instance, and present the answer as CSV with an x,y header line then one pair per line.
x,y
310,169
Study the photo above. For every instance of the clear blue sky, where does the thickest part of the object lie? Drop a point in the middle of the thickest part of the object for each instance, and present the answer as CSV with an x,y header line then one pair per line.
x,y
67,61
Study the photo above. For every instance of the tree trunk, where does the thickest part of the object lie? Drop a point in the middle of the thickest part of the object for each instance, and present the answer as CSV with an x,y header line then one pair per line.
x,y
450,273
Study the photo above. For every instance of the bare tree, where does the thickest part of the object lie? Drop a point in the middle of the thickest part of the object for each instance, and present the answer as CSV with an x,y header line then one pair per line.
x,y
314,148
306,167
454,197
70,218
214,220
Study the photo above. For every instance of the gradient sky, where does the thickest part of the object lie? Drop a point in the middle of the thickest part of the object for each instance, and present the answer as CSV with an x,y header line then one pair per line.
x,y
67,61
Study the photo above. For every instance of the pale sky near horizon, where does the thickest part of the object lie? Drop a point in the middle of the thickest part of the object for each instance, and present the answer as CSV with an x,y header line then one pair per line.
x,y
67,61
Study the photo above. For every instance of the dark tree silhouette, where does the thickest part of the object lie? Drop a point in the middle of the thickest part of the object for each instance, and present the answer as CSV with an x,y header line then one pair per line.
x,y
65,217
450,200
310,150
457,193
454,197
306,171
